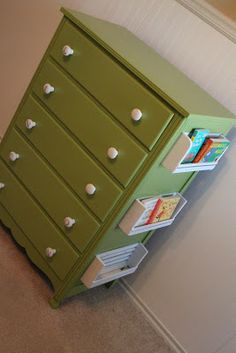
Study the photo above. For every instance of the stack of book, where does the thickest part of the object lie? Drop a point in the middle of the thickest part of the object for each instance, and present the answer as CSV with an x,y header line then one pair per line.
x,y
206,147
158,210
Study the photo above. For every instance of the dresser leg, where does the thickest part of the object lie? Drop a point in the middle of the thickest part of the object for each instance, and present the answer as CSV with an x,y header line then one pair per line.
x,y
111,284
54,303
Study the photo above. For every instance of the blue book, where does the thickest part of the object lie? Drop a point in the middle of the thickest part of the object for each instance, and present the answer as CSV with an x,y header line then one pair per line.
x,y
198,137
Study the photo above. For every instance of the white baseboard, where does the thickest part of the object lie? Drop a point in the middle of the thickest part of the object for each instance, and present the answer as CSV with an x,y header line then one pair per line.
x,y
154,321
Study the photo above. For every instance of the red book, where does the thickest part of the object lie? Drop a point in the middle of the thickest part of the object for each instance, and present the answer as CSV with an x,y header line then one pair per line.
x,y
154,211
203,151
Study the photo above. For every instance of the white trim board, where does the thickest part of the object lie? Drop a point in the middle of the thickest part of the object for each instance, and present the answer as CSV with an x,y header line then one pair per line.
x,y
212,16
161,329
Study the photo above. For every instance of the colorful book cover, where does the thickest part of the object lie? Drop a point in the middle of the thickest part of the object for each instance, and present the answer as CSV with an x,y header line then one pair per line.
x,y
203,150
149,203
165,209
198,137
154,212
217,148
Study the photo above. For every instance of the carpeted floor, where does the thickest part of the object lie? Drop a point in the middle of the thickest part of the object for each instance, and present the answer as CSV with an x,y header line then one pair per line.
x,y
98,321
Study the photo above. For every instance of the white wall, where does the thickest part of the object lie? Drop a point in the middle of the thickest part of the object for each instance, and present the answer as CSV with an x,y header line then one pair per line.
x,y
188,280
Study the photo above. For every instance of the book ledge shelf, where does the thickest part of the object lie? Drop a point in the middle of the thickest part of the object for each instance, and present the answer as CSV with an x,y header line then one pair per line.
x,y
132,222
173,161
114,264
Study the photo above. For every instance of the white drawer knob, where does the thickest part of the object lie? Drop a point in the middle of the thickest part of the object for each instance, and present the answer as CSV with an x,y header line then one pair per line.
x,y
112,152
136,114
67,51
69,222
13,156
47,88
2,185
50,252
30,124
90,189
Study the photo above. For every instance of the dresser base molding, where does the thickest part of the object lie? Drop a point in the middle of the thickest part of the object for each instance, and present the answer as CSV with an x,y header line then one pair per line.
x,y
7,221
31,252
55,302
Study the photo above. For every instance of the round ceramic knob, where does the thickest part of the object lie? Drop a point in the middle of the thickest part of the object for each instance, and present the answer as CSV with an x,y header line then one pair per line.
x,y
136,114
2,185
69,222
112,152
13,156
67,51
47,88
50,252
30,124
90,189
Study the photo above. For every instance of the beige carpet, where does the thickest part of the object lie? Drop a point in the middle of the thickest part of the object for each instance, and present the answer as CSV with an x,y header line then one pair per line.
x,y
98,321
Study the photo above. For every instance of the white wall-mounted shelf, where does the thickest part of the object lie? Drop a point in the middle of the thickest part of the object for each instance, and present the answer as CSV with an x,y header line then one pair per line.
x,y
114,264
173,160
130,223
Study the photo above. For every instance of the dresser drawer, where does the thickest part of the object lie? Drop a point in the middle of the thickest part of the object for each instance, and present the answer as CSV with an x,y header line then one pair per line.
x,y
50,192
91,125
71,162
35,224
112,85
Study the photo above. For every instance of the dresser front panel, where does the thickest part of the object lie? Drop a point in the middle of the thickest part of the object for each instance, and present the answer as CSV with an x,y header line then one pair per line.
x,y
35,224
112,85
94,128
50,192
69,159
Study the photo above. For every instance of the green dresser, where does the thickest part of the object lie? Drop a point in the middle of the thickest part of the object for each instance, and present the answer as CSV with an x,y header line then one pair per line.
x,y
103,125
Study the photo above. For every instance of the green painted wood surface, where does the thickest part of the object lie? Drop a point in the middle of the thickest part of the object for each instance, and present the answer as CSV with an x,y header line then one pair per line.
x,y
32,253
112,86
112,222
214,124
92,126
70,161
165,79
50,191
72,155
34,223
159,180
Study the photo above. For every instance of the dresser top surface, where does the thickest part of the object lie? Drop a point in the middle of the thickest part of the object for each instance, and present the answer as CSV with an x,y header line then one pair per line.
x,y
185,96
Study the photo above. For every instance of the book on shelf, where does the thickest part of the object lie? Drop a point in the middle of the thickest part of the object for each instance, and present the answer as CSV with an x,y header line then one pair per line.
x,y
159,209
211,150
165,207
197,137
149,204
154,212
217,148
204,149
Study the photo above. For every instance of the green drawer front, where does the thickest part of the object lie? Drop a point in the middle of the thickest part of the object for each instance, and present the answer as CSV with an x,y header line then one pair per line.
x,y
71,162
115,88
52,194
91,125
35,224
